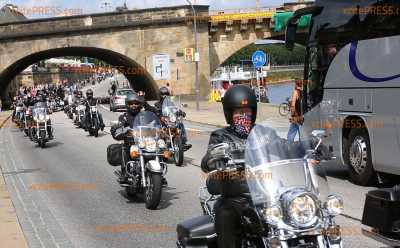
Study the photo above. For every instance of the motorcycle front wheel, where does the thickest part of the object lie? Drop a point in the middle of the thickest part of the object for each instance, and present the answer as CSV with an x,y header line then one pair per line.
x,y
153,190
179,152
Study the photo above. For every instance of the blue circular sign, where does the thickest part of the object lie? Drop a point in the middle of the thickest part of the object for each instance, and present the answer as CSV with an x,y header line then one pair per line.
x,y
259,58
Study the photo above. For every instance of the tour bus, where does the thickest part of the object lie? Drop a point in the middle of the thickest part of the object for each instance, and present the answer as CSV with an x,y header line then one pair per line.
x,y
352,81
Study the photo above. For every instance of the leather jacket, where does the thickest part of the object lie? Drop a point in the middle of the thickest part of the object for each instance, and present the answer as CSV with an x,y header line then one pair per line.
x,y
126,120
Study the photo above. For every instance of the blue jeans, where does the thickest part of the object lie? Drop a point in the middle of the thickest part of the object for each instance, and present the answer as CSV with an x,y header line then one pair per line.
x,y
293,130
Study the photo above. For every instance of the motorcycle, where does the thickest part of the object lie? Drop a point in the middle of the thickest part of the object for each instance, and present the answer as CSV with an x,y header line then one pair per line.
x,y
94,121
381,215
80,115
18,113
289,200
39,128
28,121
145,166
59,104
172,128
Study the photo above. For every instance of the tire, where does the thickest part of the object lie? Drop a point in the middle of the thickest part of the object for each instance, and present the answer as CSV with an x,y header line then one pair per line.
x,y
357,156
178,155
284,109
42,143
130,191
153,190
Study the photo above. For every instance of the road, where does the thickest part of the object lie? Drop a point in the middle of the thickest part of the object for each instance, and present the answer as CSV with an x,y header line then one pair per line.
x,y
66,195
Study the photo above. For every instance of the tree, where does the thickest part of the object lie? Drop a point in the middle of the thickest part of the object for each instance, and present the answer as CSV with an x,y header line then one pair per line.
x,y
279,54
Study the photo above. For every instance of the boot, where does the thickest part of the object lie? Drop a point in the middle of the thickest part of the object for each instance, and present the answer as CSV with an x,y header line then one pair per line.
x,y
187,147
164,181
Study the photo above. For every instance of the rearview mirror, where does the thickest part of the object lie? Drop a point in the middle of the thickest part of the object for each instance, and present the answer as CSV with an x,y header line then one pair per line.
x,y
319,133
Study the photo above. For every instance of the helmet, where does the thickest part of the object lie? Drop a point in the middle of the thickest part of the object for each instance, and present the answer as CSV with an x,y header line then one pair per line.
x,y
164,91
239,96
135,99
89,94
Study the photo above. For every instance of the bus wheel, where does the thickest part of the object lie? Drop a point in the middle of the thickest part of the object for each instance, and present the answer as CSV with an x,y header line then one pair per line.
x,y
358,158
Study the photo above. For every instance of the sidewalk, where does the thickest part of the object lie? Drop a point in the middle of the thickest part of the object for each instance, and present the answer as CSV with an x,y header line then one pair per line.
x,y
11,234
211,113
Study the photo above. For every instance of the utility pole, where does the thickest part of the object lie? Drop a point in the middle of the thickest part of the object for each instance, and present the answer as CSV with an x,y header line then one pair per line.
x,y
196,57
258,5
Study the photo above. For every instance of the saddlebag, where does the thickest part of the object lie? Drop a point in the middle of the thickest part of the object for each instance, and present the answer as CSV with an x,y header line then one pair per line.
x,y
197,232
114,154
382,210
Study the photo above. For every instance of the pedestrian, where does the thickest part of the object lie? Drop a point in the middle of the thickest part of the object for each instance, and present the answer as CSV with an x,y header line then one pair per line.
x,y
1,104
296,118
169,89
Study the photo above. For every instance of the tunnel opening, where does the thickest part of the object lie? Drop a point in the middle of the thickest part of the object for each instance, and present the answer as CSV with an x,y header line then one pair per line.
x,y
138,76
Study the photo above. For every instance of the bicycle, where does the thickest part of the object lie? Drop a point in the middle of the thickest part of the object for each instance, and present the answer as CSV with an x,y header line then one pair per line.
x,y
284,108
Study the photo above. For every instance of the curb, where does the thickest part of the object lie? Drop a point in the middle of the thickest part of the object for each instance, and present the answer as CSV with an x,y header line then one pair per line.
x,y
5,120
14,236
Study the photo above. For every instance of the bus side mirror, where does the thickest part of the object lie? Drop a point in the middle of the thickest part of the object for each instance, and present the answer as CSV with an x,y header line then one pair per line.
x,y
290,34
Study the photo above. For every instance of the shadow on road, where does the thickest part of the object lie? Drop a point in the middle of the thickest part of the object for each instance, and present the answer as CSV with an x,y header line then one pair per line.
x,y
166,200
52,144
337,171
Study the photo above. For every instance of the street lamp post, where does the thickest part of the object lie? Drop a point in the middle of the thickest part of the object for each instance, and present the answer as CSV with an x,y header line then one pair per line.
x,y
196,58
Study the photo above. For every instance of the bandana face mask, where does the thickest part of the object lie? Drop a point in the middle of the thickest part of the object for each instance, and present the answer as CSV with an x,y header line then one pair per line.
x,y
241,123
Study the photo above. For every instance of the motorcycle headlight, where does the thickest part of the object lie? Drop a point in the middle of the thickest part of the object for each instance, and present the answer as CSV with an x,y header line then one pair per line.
x,y
142,144
161,143
334,205
134,152
41,117
151,144
172,118
303,210
273,214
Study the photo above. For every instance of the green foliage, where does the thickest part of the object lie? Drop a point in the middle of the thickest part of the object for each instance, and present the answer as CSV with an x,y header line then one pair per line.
x,y
279,54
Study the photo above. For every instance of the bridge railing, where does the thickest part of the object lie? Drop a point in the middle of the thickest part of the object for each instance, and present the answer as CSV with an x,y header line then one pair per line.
x,y
245,10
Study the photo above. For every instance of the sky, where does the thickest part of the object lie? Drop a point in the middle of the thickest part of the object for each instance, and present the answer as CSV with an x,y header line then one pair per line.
x,y
36,8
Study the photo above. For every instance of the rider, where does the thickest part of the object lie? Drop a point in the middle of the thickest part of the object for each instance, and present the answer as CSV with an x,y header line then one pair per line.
x,y
91,101
240,109
134,103
164,92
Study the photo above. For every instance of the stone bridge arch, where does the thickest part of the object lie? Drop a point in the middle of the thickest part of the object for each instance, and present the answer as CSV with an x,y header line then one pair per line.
x,y
224,46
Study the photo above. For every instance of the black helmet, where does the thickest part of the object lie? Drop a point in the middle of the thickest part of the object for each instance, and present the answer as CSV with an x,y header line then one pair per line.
x,y
239,96
134,99
164,91
89,93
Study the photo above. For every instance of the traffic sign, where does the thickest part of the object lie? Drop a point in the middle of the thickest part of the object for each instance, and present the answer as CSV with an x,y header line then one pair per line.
x,y
259,58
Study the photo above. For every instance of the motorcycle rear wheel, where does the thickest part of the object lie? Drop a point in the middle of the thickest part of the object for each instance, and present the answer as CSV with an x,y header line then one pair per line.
x,y
130,191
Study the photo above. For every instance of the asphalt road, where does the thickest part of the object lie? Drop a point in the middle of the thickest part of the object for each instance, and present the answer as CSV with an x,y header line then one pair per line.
x,y
66,195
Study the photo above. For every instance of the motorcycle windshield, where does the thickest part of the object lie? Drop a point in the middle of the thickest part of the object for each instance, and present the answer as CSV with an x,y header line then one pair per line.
x,y
146,124
36,112
275,170
169,107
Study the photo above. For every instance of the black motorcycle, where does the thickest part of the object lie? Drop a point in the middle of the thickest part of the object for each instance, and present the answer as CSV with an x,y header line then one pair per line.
x,y
40,126
172,119
288,200
145,166
93,122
